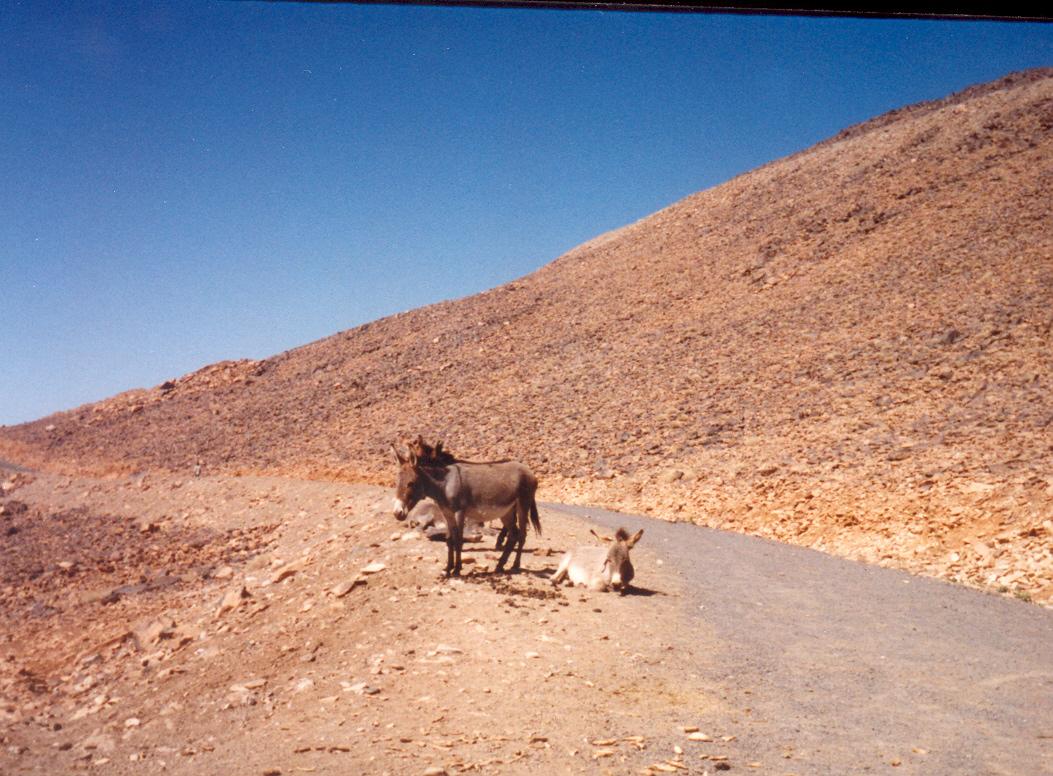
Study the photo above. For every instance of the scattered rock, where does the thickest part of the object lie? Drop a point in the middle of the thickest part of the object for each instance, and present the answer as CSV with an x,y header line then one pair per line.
x,y
286,571
361,688
343,588
150,633
232,599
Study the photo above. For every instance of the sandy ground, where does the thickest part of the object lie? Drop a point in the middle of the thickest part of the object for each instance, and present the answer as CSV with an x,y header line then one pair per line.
x,y
204,626
272,626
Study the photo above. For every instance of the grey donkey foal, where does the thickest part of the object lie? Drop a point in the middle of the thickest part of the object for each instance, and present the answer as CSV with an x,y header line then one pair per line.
x,y
470,491
600,568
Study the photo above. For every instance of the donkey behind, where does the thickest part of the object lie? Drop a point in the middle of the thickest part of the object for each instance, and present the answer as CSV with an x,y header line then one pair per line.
x,y
432,456
472,491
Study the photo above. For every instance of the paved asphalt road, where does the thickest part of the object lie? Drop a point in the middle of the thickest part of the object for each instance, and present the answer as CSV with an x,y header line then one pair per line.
x,y
855,666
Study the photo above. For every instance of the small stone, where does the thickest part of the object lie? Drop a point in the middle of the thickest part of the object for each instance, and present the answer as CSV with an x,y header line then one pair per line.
x,y
532,655
233,599
223,572
697,736
286,571
373,568
153,632
132,722
435,771
343,588
251,684
361,688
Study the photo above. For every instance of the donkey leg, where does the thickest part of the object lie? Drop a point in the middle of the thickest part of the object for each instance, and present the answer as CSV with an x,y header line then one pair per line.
x,y
561,572
521,540
451,534
458,542
503,536
449,552
510,539
521,524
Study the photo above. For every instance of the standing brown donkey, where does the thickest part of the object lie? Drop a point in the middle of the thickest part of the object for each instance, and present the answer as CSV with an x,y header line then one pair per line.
x,y
472,491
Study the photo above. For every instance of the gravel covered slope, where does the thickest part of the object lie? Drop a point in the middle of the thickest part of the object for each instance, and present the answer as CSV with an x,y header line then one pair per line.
x,y
849,349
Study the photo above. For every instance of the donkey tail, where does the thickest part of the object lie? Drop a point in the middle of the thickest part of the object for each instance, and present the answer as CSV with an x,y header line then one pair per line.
x,y
534,517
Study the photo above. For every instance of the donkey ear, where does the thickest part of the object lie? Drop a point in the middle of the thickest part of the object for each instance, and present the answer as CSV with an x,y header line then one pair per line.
x,y
634,539
601,538
398,455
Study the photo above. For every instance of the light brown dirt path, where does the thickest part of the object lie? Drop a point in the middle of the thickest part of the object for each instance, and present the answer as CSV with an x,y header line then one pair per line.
x,y
255,625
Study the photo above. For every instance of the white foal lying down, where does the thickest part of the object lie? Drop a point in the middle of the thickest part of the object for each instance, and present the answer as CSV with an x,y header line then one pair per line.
x,y
600,568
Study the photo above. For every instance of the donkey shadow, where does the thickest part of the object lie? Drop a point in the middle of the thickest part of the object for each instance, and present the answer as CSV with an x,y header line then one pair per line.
x,y
644,592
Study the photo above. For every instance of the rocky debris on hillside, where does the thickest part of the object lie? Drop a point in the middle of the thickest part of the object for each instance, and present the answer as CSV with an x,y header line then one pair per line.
x,y
835,346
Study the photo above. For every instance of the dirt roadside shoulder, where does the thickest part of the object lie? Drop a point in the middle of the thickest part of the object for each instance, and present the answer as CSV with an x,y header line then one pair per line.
x,y
246,625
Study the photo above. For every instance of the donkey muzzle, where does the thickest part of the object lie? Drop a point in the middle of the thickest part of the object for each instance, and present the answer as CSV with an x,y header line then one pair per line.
x,y
400,510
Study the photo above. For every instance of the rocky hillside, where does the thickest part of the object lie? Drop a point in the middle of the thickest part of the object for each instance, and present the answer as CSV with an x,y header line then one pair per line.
x,y
850,348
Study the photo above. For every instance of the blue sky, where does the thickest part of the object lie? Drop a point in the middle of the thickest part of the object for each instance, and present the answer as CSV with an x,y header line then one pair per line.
x,y
184,183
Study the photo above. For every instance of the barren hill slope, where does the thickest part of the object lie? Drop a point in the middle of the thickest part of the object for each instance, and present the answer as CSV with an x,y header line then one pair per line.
x,y
850,348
